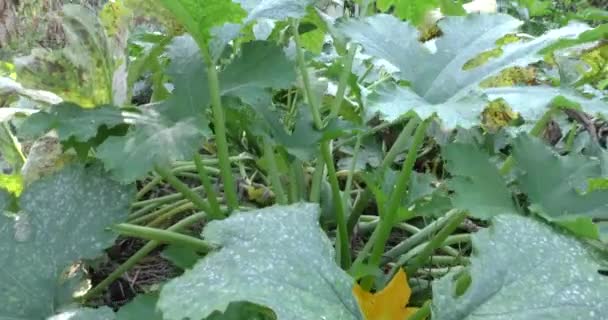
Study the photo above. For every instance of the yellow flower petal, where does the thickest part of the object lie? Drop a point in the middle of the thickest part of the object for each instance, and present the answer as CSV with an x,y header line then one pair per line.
x,y
389,303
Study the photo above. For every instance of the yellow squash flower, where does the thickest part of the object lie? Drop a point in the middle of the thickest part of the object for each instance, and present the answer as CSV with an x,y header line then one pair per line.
x,y
389,303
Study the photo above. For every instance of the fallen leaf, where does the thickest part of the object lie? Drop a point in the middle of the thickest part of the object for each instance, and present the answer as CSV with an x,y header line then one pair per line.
x,y
389,303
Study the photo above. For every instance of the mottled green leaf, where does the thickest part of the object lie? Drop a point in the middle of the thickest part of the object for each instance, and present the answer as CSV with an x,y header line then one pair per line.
x,y
411,10
243,310
533,102
260,66
142,307
154,141
274,9
199,17
262,260
71,120
181,256
63,218
557,186
477,184
391,102
167,131
103,313
523,269
439,80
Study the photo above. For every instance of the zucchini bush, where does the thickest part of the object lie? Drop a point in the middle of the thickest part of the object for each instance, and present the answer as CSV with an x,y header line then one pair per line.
x,y
294,165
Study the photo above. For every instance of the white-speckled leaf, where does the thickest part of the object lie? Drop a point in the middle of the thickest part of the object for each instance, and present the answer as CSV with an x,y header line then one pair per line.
x,y
532,102
276,257
523,269
274,9
103,313
63,219
439,81
391,102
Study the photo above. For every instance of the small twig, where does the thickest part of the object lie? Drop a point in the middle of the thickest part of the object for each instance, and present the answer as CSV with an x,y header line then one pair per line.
x,y
585,121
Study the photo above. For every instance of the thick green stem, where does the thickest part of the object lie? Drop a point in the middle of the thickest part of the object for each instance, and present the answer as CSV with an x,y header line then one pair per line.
x,y
149,186
436,242
219,125
182,188
358,208
317,179
423,313
297,182
162,200
214,204
167,215
450,240
343,84
448,260
424,234
163,236
351,173
399,145
367,195
140,254
344,245
389,219
143,211
308,90
273,173
171,209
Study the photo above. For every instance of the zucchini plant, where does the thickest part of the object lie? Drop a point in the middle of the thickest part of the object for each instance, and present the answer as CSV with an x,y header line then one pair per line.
x,y
292,164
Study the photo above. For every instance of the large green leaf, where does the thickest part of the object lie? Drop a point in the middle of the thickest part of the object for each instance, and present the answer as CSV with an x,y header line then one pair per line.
x,y
71,120
532,102
478,186
262,260
558,186
412,10
103,313
155,140
440,81
199,17
261,65
522,269
274,9
142,307
63,218
168,131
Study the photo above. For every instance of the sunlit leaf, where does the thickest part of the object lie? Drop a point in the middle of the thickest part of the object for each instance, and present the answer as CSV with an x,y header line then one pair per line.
x,y
274,9
62,219
262,260
199,17
523,269
478,186
104,313
439,81
167,131
71,120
